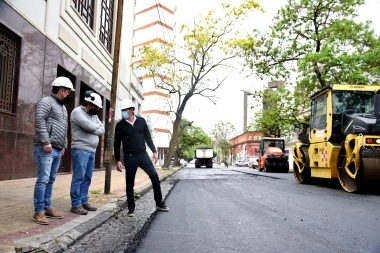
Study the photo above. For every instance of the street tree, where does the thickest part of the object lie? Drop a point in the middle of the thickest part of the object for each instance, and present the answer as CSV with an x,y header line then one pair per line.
x,y
310,44
180,146
221,133
278,119
197,63
191,137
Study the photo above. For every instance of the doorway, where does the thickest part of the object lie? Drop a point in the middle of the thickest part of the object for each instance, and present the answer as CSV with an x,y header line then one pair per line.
x,y
99,150
66,166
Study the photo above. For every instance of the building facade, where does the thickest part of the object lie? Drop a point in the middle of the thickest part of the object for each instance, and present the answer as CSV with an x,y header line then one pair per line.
x,y
41,40
154,23
245,146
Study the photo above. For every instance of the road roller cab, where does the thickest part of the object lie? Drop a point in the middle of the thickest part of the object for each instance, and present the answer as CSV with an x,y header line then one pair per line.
x,y
343,138
272,155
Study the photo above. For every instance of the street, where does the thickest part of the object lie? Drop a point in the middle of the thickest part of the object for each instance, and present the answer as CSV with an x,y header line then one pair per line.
x,y
238,209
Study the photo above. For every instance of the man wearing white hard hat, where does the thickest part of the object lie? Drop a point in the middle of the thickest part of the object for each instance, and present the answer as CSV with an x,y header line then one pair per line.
x,y
85,131
133,132
50,142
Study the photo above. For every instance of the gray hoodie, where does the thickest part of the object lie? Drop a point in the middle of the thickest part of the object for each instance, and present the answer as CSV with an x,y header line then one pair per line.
x,y
85,129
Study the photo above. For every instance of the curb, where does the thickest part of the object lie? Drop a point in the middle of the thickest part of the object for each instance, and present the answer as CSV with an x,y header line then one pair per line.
x,y
68,238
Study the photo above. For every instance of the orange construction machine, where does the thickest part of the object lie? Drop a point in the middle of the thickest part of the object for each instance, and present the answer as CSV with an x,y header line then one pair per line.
x,y
272,155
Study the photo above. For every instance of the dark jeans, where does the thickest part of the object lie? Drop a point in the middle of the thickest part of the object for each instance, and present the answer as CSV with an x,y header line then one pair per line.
x,y
131,163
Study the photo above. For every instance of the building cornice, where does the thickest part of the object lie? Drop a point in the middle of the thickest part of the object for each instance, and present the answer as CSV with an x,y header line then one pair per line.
x,y
154,7
155,75
161,130
155,111
160,40
156,93
153,24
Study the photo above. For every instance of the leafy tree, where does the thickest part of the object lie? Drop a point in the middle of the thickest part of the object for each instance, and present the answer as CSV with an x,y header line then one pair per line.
x,y
191,136
313,43
222,132
278,119
187,67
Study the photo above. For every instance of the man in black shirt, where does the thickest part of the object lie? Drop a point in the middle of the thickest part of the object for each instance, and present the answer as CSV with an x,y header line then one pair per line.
x,y
133,131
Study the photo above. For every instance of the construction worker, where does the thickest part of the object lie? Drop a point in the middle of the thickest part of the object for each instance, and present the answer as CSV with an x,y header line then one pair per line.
x,y
133,132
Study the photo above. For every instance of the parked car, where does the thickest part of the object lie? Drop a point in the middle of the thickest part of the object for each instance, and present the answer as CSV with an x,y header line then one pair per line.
x,y
241,163
192,161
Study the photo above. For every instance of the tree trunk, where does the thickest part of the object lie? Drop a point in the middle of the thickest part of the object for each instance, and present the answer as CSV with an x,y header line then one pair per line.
x,y
173,142
176,131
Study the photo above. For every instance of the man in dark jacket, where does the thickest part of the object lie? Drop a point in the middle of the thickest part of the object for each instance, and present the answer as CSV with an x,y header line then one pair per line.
x,y
50,142
133,132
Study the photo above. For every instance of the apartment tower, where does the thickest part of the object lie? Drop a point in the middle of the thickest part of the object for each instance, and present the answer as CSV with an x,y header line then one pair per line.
x,y
154,21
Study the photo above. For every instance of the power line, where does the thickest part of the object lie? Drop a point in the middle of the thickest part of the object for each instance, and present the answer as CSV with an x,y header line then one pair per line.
x,y
164,21
159,17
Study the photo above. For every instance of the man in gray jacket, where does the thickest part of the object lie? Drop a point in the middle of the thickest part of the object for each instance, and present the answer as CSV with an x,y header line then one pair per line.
x,y
85,130
50,142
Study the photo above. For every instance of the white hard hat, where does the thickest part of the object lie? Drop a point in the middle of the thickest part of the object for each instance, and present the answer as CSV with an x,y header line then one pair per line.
x,y
93,98
126,103
63,82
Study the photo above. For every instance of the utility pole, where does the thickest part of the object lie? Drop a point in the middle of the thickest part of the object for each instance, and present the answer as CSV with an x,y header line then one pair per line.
x,y
245,102
115,79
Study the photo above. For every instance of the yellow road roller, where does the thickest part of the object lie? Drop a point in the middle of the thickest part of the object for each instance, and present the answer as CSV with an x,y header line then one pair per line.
x,y
343,138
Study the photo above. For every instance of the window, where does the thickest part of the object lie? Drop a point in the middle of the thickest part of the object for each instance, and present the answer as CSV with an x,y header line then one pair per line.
x,y
106,23
274,143
360,102
9,53
85,8
319,112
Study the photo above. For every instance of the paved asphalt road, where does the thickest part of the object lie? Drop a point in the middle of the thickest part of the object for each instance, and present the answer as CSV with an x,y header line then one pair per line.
x,y
221,210
242,210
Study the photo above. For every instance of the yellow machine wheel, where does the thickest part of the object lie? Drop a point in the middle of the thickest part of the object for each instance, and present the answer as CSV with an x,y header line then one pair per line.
x,y
348,183
367,175
303,176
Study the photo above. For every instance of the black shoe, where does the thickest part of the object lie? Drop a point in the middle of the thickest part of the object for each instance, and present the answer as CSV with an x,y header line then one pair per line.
x,y
162,207
131,213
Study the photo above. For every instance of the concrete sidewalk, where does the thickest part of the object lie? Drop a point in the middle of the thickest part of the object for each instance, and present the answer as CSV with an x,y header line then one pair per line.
x,y
19,231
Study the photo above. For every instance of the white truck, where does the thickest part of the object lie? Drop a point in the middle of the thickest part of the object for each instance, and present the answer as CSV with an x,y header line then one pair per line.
x,y
204,157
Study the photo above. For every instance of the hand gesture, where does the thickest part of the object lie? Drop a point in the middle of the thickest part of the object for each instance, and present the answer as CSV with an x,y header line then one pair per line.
x,y
48,148
119,166
155,157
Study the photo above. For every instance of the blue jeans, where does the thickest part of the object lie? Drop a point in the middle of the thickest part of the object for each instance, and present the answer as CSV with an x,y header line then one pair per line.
x,y
83,166
131,163
47,167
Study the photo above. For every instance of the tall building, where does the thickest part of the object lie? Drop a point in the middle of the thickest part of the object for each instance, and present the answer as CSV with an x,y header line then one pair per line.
x,y
154,22
41,40
273,86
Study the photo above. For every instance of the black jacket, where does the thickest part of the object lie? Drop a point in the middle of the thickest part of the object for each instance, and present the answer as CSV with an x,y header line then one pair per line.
x,y
133,137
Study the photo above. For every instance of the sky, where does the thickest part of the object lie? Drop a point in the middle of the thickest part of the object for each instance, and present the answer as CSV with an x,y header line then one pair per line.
x,y
230,106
